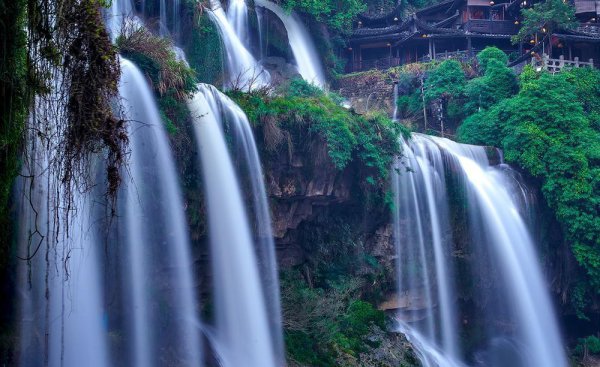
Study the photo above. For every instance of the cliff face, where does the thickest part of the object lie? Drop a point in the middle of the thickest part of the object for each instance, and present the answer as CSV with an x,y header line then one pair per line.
x,y
306,189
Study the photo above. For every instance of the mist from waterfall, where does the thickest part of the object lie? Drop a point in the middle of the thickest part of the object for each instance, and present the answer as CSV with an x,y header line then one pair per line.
x,y
243,333
503,255
306,55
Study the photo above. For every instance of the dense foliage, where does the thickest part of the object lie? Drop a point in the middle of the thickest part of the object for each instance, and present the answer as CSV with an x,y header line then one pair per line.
x,y
371,138
204,49
13,115
451,90
551,129
328,313
339,15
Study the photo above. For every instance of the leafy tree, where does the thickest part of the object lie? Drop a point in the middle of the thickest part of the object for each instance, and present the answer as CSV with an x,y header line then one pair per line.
x,y
497,83
446,81
549,14
547,130
491,53
337,14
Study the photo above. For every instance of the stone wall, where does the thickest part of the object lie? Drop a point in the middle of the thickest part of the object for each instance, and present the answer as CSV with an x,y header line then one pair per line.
x,y
368,91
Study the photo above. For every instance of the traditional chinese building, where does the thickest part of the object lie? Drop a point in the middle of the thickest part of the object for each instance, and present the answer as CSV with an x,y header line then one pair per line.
x,y
461,28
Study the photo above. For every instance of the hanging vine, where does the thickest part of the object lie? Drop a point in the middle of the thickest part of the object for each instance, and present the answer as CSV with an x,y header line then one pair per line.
x,y
75,72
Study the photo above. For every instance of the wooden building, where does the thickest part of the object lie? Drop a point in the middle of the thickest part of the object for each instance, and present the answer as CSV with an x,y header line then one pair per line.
x,y
461,28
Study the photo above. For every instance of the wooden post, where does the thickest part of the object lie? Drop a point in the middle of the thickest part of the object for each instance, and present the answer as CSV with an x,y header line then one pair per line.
x,y
576,61
570,52
469,46
360,57
434,49
592,63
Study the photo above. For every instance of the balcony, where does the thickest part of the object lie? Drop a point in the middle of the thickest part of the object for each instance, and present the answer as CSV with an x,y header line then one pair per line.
x,y
492,26
379,64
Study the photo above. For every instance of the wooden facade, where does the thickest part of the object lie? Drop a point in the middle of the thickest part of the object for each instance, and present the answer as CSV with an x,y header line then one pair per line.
x,y
461,28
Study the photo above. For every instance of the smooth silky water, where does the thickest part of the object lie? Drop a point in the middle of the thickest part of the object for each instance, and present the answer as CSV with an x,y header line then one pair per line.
x,y
243,333
500,243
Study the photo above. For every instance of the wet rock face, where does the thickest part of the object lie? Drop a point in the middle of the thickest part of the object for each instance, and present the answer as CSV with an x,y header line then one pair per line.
x,y
301,186
280,70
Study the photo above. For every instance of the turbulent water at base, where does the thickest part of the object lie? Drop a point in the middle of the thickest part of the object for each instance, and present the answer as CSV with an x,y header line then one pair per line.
x,y
305,53
243,70
243,333
158,262
514,315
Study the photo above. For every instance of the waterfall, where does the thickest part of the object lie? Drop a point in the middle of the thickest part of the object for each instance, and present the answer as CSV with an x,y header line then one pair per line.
x,y
62,309
422,196
261,41
237,15
176,20
304,50
163,29
243,69
156,235
500,244
117,14
395,102
243,331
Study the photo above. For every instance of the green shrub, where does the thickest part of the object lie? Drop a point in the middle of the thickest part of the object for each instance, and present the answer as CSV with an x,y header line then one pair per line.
x,y
205,50
590,343
491,53
445,81
371,138
498,83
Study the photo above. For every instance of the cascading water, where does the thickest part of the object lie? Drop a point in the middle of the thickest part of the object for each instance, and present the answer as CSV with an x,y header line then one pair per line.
x,y
243,333
519,325
163,28
156,236
395,102
117,15
301,44
62,310
176,20
422,196
237,15
243,69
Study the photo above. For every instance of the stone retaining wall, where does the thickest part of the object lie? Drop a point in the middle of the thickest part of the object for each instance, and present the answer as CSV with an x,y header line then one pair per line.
x,y
368,91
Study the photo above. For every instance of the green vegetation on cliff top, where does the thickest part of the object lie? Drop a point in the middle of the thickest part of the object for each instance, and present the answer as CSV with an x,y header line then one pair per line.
x,y
372,138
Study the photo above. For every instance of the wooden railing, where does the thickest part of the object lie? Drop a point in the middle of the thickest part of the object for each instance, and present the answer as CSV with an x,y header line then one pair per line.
x,y
589,28
381,64
492,26
556,65
389,62
461,55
